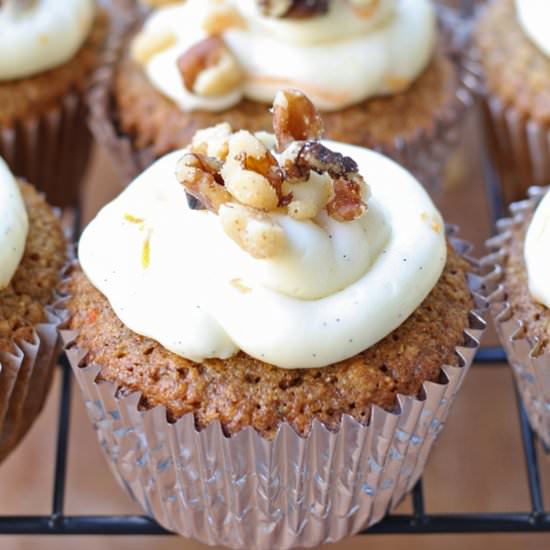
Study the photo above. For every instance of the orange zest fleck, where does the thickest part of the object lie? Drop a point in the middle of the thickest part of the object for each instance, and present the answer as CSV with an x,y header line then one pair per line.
x,y
133,219
92,316
146,254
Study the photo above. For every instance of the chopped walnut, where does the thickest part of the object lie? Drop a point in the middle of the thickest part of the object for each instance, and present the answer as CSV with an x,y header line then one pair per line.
x,y
237,176
255,232
209,69
200,177
249,171
212,142
365,8
148,44
293,9
295,119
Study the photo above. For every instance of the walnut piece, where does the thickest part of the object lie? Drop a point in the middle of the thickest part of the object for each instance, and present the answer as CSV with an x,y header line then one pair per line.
x,y
213,142
200,177
209,69
293,9
255,232
295,119
248,172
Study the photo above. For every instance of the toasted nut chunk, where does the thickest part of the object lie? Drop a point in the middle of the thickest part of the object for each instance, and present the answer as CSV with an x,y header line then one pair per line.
x,y
297,9
295,119
212,142
251,173
209,69
149,43
200,177
248,187
347,204
310,197
255,232
222,17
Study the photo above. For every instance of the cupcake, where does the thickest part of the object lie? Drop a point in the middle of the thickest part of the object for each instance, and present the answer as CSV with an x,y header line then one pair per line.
x,y
32,253
513,50
520,302
269,331
47,51
381,71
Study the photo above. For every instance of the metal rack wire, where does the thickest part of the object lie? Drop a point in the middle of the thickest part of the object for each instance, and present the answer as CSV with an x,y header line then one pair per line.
x,y
537,519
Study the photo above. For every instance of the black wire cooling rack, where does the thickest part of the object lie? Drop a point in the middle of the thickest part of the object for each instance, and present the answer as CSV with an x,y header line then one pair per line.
x,y
536,519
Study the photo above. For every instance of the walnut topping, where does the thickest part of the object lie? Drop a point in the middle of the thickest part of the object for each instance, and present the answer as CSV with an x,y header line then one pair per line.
x,y
200,177
209,69
237,176
294,119
293,9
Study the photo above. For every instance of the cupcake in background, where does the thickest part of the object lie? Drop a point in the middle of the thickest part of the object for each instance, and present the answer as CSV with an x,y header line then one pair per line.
x,y
513,49
48,50
520,301
269,331
381,72
32,254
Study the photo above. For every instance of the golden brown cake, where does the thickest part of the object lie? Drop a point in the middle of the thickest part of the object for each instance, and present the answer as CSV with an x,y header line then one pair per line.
x,y
242,391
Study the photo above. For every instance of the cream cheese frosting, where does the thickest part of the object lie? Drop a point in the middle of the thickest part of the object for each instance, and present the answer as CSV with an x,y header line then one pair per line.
x,y
337,59
534,17
537,253
172,274
41,36
14,225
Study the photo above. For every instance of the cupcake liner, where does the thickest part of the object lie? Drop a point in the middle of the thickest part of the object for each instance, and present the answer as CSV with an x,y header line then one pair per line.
x,y
51,149
25,376
424,153
519,147
531,368
245,491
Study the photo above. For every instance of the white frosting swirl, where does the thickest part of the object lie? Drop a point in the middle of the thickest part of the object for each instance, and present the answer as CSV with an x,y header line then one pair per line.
x,y
537,253
336,59
14,225
200,295
44,35
534,17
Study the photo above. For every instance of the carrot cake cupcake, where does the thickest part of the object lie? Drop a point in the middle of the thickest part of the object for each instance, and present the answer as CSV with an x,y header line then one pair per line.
x,y
513,46
257,326
378,69
520,302
48,49
32,253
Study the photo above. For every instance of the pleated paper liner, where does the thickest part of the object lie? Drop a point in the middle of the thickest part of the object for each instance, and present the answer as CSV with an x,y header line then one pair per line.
x,y
531,367
25,377
424,153
51,149
245,491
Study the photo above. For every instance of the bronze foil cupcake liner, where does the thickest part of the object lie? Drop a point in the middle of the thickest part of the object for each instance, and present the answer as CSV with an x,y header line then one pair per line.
x,y
424,153
519,147
245,491
51,149
25,377
531,368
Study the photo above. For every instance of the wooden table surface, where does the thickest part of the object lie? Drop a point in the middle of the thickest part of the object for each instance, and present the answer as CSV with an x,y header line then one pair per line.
x,y
476,466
